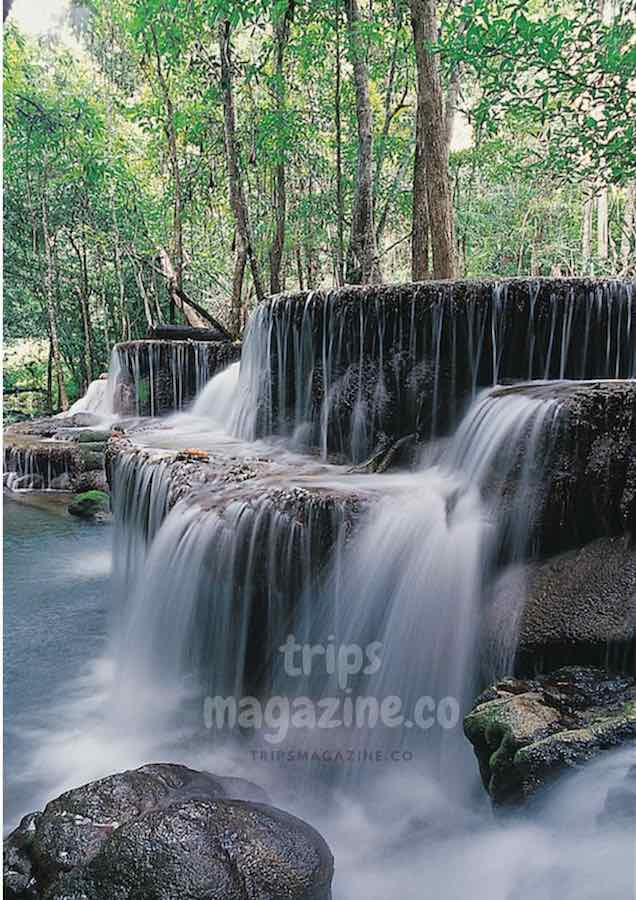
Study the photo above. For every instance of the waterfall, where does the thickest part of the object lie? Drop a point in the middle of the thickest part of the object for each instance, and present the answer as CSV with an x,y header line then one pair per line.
x,y
217,399
154,377
339,369
219,579
48,465
93,401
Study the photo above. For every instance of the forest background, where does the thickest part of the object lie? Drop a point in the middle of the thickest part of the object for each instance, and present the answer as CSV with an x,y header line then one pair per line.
x,y
177,160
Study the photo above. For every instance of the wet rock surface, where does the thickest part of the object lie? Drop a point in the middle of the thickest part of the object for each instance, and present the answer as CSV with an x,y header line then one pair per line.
x,y
577,608
165,831
90,505
580,480
525,733
58,453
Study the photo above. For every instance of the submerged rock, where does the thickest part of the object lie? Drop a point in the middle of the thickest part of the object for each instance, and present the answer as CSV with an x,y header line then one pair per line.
x,y
90,505
165,831
525,733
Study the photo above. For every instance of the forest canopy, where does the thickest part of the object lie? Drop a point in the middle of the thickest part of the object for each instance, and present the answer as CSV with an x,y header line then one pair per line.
x,y
177,160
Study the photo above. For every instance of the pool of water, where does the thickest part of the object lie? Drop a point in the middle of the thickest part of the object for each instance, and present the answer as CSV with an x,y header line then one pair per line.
x,y
56,603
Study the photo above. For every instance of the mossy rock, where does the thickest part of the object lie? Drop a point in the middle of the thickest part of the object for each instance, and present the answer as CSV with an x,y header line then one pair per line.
x,y
526,733
90,505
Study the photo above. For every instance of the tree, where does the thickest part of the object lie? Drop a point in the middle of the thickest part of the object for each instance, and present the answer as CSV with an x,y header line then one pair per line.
x,y
431,169
245,248
363,264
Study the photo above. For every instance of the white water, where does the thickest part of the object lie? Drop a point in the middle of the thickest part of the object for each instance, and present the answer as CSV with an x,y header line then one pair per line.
x,y
412,578
202,581
93,401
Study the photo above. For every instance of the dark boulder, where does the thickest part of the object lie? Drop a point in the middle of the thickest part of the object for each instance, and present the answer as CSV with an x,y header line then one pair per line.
x,y
526,733
165,831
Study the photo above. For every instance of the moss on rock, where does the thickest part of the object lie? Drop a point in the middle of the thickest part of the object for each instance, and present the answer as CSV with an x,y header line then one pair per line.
x,y
90,505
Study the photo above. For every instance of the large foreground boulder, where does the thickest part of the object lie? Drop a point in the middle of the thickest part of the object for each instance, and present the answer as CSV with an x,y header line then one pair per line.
x,y
526,733
166,832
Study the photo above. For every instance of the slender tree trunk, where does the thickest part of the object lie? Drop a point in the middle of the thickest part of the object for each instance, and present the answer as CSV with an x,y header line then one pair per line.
x,y
432,146
363,264
450,104
237,292
244,245
281,34
629,220
392,194
49,376
340,253
420,233
299,267
176,176
602,229
83,291
50,308
586,231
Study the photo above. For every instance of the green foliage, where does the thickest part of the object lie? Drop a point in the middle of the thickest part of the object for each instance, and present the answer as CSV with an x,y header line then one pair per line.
x,y
546,96
564,75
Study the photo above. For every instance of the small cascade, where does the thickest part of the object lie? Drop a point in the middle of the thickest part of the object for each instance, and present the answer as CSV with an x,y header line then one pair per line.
x,y
217,399
94,400
340,369
156,377
212,579
43,466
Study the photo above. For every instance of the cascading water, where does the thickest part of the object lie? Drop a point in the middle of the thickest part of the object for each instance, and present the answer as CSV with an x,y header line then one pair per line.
x,y
217,582
338,370
94,400
46,466
220,559
153,377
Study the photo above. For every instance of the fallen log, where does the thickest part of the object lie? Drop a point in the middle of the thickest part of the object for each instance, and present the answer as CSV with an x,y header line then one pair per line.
x,y
185,333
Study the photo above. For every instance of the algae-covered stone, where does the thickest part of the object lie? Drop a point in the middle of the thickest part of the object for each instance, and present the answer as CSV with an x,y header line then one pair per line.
x,y
525,733
90,505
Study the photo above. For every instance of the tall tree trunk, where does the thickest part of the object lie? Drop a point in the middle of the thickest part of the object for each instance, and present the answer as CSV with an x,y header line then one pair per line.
x,y
49,376
281,35
50,309
586,231
629,221
450,104
602,225
176,177
244,246
420,233
363,264
340,260
433,139
83,290
299,267
236,305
